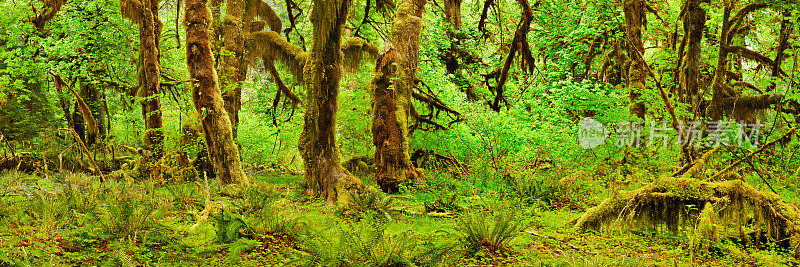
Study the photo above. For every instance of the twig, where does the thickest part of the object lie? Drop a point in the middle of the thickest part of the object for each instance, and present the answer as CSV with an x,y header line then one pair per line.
x,y
750,162
739,161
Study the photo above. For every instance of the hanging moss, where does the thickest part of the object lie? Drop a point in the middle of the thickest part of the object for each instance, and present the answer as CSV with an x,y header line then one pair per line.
x,y
672,203
353,51
271,45
259,9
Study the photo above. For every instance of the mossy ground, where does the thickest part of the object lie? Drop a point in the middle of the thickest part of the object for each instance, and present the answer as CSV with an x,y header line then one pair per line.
x,y
61,219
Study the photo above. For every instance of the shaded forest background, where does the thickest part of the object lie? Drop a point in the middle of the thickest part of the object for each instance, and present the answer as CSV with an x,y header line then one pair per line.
x,y
361,132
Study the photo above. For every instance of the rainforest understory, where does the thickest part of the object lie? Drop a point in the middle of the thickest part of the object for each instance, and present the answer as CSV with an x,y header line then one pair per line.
x,y
399,133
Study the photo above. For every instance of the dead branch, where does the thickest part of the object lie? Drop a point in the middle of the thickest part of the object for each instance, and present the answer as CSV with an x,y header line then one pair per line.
x,y
85,151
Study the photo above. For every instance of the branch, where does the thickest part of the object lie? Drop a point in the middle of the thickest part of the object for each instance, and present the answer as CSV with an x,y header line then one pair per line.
x,y
520,36
743,13
354,49
259,9
755,56
51,8
270,45
740,160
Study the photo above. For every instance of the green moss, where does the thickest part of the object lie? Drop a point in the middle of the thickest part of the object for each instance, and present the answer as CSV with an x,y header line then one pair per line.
x,y
673,202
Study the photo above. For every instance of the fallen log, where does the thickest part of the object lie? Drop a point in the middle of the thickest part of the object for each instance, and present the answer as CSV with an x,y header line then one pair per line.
x,y
670,203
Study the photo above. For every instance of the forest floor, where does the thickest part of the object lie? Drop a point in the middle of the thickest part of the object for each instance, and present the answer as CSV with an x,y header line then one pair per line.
x,y
73,219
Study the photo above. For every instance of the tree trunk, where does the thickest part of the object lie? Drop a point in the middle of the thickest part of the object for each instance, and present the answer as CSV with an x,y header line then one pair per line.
x,y
637,75
324,174
233,69
452,10
392,87
718,84
150,34
694,22
207,97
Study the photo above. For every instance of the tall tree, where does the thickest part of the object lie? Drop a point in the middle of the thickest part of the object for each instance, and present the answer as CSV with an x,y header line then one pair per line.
x,y
239,22
393,85
322,73
635,17
206,94
145,14
694,20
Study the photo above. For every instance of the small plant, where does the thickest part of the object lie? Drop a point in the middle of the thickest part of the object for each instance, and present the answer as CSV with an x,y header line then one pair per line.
x,y
444,204
125,215
255,198
484,233
370,200
368,243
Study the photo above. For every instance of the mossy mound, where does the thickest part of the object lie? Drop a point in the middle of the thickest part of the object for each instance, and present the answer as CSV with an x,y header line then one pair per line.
x,y
672,203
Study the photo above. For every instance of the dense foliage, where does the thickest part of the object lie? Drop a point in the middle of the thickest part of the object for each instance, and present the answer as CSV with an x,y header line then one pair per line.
x,y
498,104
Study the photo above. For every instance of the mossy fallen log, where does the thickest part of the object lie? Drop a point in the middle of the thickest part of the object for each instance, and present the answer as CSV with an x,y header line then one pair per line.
x,y
674,203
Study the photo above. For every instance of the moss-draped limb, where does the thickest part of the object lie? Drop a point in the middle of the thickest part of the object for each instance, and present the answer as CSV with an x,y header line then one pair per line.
x,y
755,56
666,203
259,9
206,95
270,45
353,51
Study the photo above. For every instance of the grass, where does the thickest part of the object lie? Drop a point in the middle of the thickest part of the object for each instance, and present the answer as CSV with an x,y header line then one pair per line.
x,y
66,219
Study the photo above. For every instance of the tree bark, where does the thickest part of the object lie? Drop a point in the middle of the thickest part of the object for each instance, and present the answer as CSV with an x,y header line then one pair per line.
x,y
324,175
694,22
207,97
718,84
637,76
150,35
452,10
233,69
393,85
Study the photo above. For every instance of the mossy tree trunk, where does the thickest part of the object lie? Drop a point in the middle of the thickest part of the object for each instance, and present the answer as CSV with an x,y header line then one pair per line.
x,y
719,83
452,10
637,75
324,174
392,88
233,67
207,97
145,14
151,106
694,21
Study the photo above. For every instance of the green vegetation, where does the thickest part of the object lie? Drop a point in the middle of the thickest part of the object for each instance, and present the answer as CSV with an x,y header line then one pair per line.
x,y
399,133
